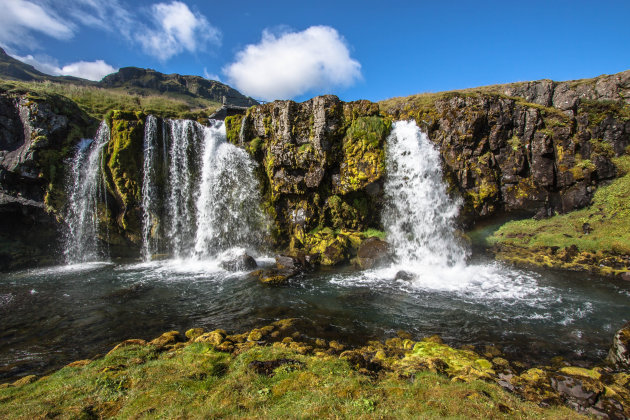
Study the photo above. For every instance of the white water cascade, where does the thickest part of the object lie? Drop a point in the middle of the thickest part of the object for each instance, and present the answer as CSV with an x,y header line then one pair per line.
x,y
419,220
85,186
150,209
211,201
419,217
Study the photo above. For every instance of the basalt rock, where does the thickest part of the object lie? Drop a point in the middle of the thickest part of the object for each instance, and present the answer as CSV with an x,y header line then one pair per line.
x,y
537,147
619,354
37,134
372,252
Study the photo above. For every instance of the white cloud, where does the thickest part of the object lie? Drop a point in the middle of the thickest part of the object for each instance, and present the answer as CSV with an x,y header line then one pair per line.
x,y
210,76
177,28
285,66
91,70
20,17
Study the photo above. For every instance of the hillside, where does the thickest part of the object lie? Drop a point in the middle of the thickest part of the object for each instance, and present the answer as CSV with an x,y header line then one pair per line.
x,y
131,88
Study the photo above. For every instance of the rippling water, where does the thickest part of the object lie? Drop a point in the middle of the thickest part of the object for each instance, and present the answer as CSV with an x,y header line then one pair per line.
x,y
49,317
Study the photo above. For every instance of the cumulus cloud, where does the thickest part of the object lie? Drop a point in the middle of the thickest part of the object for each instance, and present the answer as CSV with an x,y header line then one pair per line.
x,y
20,17
91,70
175,29
210,76
285,66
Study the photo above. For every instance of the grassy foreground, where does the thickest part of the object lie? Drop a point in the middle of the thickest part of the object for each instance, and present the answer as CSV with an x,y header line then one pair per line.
x,y
595,238
265,373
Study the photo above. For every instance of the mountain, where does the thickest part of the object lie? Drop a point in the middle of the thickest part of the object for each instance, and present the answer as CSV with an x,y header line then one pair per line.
x,y
150,82
12,69
194,90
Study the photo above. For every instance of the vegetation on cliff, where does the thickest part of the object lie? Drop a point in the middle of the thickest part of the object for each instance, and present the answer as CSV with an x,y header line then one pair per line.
x,y
595,238
276,371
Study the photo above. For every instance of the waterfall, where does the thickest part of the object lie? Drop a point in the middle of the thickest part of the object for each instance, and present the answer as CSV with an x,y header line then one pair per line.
x,y
149,191
211,200
419,215
228,209
184,137
84,187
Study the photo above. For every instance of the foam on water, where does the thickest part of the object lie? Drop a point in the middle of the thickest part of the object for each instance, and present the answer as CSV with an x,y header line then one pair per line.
x,y
419,220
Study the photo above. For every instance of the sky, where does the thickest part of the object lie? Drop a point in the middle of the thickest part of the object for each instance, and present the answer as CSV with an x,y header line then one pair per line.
x,y
298,49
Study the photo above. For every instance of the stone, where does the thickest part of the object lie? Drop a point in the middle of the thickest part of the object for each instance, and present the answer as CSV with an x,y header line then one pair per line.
x,y
243,262
193,333
372,252
166,340
405,276
619,354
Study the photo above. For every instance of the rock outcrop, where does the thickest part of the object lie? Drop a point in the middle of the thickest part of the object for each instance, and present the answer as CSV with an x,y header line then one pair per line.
x,y
542,149
321,167
37,134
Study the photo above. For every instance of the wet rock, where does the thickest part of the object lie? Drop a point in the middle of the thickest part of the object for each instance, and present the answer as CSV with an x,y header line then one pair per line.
x,y
168,339
243,262
619,354
405,276
286,267
372,252
193,333
267,367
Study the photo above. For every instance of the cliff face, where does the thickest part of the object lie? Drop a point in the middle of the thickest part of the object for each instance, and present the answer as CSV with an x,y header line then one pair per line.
x,y
37,134
321,167
536,147
504,153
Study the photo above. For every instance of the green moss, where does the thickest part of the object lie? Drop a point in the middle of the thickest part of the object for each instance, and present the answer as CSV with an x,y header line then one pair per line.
x,y
363,153
233,128
123,159
369,233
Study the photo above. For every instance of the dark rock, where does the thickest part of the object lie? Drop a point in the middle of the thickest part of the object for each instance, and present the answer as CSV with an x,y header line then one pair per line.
x,y
243,262
372,252
619,354
405,276
574,391
267,367
285,268
586,228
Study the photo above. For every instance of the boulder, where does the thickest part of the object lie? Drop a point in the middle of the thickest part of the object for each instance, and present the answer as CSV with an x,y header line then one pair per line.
x,y
243,262
372,252
619,354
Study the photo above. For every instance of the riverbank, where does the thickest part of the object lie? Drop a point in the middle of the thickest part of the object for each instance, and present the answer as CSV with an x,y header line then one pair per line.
x,y
279,371
595,238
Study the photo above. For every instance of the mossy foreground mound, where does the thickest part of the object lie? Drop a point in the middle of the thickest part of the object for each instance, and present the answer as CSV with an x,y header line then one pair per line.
x,y
596,238
277,372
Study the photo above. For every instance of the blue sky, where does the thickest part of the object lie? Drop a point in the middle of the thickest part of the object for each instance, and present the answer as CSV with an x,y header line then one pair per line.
x,y
354,49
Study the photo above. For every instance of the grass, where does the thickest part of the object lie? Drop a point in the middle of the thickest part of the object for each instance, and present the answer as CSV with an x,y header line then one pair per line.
x,y
97,101
608,216
197,381
595,238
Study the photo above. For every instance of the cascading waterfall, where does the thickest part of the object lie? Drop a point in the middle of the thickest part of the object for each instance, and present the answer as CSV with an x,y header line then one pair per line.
x,y
149,193
85,187
185,140
228,209
419,220
212,199
419,217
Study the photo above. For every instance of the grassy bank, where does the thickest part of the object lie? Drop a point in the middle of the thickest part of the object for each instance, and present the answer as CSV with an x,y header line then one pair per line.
x,y
595,238
270,373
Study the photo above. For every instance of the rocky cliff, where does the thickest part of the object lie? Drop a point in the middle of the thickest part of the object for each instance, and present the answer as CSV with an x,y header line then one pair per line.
x,y
535,148
37,135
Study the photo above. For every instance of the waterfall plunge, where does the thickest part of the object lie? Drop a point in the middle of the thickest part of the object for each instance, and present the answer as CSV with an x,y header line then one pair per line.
x,y
419,216
419,219
85,188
